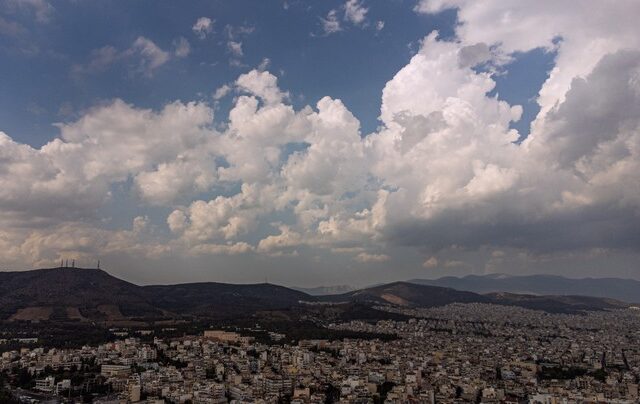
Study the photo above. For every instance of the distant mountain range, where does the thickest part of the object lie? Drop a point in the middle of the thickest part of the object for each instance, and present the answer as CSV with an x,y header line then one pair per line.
x,y
627,290
94,295
325,290
408,294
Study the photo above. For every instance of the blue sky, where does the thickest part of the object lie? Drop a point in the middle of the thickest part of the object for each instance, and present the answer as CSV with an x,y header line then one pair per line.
x,y
319,142
40,87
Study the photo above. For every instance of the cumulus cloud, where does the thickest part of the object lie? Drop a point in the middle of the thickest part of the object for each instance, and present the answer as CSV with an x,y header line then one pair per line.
x,y
443,175
263,85
582,36
284,242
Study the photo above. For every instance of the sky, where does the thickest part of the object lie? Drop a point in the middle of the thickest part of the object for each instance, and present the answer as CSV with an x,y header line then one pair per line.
x,y
319,143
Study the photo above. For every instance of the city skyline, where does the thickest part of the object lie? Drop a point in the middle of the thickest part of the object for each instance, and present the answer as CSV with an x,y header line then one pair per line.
x,y
343,142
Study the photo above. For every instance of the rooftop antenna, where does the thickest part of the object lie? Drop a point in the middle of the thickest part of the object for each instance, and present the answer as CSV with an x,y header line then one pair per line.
x,y
98,264
66,264
73,263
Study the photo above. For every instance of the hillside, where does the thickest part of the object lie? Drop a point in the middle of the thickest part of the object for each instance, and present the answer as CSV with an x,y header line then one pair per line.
x,y
94,295
70,293
627,290
407,294
221,299
413,295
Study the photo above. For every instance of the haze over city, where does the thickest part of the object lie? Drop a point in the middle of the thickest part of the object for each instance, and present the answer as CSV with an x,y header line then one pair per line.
x,y
320,143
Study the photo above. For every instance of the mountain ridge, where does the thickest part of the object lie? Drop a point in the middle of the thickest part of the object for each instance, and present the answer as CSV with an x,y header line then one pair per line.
x,y
627,290
95,295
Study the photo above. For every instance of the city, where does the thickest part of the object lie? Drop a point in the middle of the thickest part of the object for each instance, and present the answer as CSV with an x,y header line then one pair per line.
x,y
456,353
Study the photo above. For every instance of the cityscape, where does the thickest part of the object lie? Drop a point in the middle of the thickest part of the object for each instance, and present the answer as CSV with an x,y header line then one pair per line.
x,y
455,353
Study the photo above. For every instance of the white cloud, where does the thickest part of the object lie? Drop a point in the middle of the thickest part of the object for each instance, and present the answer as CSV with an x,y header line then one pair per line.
x,y
581,35
150,55
203,27
430,263
442,174
279,243
221,92
355,12
261,84
331,24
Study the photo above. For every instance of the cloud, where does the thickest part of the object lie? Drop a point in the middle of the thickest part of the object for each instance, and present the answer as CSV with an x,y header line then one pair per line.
x,y
331,24
431,262
42,9
222,92
443,175
355,12
235,48
367,258
202,27
100,60
145,55
11,28
150,55
261,84
182,48
549,24
284,242
222,249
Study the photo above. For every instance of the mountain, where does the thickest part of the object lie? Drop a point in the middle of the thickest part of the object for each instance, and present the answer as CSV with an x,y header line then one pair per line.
x,y
325,290
222,299
70,293
627,290
407,294
93,294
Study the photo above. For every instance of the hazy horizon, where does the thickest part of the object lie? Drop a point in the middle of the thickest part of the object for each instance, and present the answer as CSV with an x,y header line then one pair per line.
x,y
346,142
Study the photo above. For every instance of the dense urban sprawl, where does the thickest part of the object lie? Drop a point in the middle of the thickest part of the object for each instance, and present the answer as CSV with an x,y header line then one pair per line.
x,y
456,353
